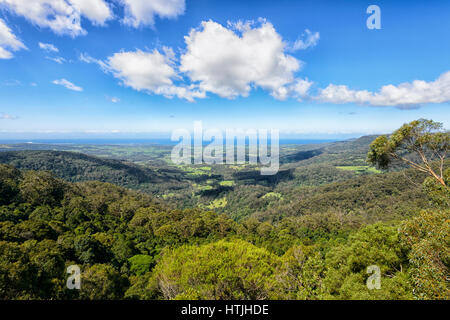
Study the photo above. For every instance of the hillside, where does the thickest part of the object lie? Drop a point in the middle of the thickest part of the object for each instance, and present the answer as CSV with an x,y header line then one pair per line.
x,y
76,167
312,179
128,245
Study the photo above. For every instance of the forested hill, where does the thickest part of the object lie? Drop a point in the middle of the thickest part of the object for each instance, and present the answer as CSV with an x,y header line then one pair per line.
x,y
239,191
76,167
128,246
356,147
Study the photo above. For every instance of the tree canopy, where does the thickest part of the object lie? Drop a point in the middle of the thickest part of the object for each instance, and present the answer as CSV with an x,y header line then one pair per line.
x,y
425,140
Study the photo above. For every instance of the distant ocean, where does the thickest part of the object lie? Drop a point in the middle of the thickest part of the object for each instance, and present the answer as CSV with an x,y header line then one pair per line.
x,y
140,141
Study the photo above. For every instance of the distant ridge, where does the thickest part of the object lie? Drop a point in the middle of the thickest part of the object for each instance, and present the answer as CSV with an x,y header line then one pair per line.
x,y
76,167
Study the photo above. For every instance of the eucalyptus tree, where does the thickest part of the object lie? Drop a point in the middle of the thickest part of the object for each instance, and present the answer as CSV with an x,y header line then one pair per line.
x,y
422,144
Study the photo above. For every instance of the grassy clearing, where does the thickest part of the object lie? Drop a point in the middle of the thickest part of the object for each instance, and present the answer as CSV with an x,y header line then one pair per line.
x,y
359,169
204,188
195,171
227,183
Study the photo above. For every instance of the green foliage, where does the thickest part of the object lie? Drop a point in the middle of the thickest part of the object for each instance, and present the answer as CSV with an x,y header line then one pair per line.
x,y
301,274
438,193
428,238
102,281
379,152
41,188
347,264
8,184
308,233
217,203
141,263
221,270
76,167
370,198
129,246
424,139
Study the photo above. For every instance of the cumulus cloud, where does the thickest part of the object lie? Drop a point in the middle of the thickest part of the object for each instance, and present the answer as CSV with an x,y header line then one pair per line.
x,y
151,72
142,12
97,11
48,47
67,84
405,95
300,89
142,70
307,40
62,16
227,61
8,42
230,61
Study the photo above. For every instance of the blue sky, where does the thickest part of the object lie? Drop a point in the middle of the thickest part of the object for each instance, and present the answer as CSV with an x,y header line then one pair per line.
x,y
308,68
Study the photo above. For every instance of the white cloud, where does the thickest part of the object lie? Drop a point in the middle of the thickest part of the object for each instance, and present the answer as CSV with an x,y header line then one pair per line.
x,y
61,16
405,95
48,47
59,60
152,72
8,42
5,54
300,88
84,57
142,70
230,62
113,99
97,11
143,12
307,40
67,84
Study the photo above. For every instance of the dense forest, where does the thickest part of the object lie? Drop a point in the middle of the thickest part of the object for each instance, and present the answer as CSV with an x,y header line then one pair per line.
x,y
294,236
